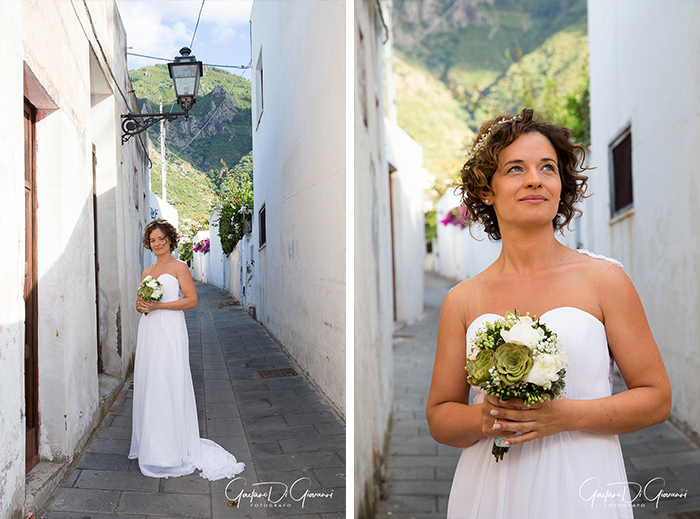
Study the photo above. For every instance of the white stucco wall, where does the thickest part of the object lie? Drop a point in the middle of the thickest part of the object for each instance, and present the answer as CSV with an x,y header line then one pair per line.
x,y
200,262
456,253
645,72
239,271
12,429
158,208
217,271
407,179
232,273
78,105
299,175
373,285
234,276
242,271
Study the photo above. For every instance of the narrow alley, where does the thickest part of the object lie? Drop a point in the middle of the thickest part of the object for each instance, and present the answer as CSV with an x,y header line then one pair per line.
x,y
253,402
421,470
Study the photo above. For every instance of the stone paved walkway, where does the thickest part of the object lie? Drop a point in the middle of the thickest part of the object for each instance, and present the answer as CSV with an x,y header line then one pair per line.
x,y
280,427
421,470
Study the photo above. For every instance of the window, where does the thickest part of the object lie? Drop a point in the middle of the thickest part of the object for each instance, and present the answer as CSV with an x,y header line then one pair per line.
x,y
621,185
259,101
261,220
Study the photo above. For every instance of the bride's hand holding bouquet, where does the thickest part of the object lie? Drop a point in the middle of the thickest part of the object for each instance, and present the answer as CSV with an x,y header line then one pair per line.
x,y
515,423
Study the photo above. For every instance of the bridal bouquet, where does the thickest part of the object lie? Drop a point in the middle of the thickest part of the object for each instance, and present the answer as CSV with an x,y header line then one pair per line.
x,y
516,356
150,290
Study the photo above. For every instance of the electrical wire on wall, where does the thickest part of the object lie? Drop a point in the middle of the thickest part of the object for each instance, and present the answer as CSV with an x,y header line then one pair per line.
x,y
109,68
381,17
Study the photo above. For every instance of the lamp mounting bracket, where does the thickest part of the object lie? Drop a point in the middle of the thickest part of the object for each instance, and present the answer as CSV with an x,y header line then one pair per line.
x,y
133,124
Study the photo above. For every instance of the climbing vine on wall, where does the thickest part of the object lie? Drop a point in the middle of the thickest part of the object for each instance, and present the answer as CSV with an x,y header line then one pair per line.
x,y
236,208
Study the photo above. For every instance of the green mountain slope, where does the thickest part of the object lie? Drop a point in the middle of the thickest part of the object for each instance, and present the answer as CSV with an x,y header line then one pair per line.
x,y
218,128
554,68
462,42
190,190
431,114
474,56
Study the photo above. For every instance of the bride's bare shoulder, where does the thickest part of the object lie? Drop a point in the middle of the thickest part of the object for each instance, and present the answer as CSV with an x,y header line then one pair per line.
x,y
464,297
146,272
590,273
471,285
181,268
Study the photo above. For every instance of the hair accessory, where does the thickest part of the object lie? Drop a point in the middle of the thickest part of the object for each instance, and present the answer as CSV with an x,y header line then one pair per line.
x,y
479,145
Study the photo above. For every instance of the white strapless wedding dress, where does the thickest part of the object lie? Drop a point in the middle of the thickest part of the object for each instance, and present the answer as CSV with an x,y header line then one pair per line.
x,y
165,431
568,475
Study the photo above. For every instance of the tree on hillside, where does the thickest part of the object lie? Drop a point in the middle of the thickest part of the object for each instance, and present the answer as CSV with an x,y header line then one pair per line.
x,y
569,109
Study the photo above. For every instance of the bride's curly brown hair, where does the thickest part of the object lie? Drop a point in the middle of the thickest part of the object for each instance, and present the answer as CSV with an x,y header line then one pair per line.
x,y
164,226
482,163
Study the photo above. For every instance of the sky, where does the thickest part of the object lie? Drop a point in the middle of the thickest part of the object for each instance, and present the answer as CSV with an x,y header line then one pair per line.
x,y
161,28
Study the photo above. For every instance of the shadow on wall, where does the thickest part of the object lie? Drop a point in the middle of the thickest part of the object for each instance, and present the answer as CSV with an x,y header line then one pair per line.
x,y
69,354
63,394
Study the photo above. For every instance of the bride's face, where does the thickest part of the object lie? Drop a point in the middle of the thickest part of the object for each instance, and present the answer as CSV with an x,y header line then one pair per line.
x,y
159,242
526,185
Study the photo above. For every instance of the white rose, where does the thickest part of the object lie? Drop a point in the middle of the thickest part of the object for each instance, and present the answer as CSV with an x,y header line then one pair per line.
x,y
474,353
526,319
545,368
523,334
152,283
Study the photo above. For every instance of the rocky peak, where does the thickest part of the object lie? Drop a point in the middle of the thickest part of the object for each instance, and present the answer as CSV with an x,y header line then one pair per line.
x,y
412,17
219,92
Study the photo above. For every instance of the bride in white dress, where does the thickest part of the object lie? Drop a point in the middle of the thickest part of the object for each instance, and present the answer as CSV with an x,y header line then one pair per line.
x,y
165,431
521,181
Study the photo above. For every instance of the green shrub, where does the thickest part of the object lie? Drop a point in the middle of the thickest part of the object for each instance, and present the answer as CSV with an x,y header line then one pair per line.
x,y
236,205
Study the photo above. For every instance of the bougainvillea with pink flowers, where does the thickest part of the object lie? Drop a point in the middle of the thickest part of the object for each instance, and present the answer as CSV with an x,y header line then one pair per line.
x,y
201,246
457,216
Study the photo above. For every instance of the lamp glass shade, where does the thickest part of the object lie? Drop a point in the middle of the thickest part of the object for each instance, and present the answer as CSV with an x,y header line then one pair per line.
x,y
186,78
186,71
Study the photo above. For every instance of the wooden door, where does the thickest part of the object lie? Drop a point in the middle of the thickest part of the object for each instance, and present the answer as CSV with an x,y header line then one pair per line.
x,y
31,362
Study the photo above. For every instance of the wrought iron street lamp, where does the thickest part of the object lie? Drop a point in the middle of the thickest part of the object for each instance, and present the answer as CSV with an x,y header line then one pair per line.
x,y
185,71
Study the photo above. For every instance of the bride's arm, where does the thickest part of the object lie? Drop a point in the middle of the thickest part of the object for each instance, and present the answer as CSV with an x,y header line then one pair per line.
x,y
184,278
451,419
647,400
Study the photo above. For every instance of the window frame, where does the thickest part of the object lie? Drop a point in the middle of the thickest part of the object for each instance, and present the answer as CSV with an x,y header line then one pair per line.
x,y
262,228
614,145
